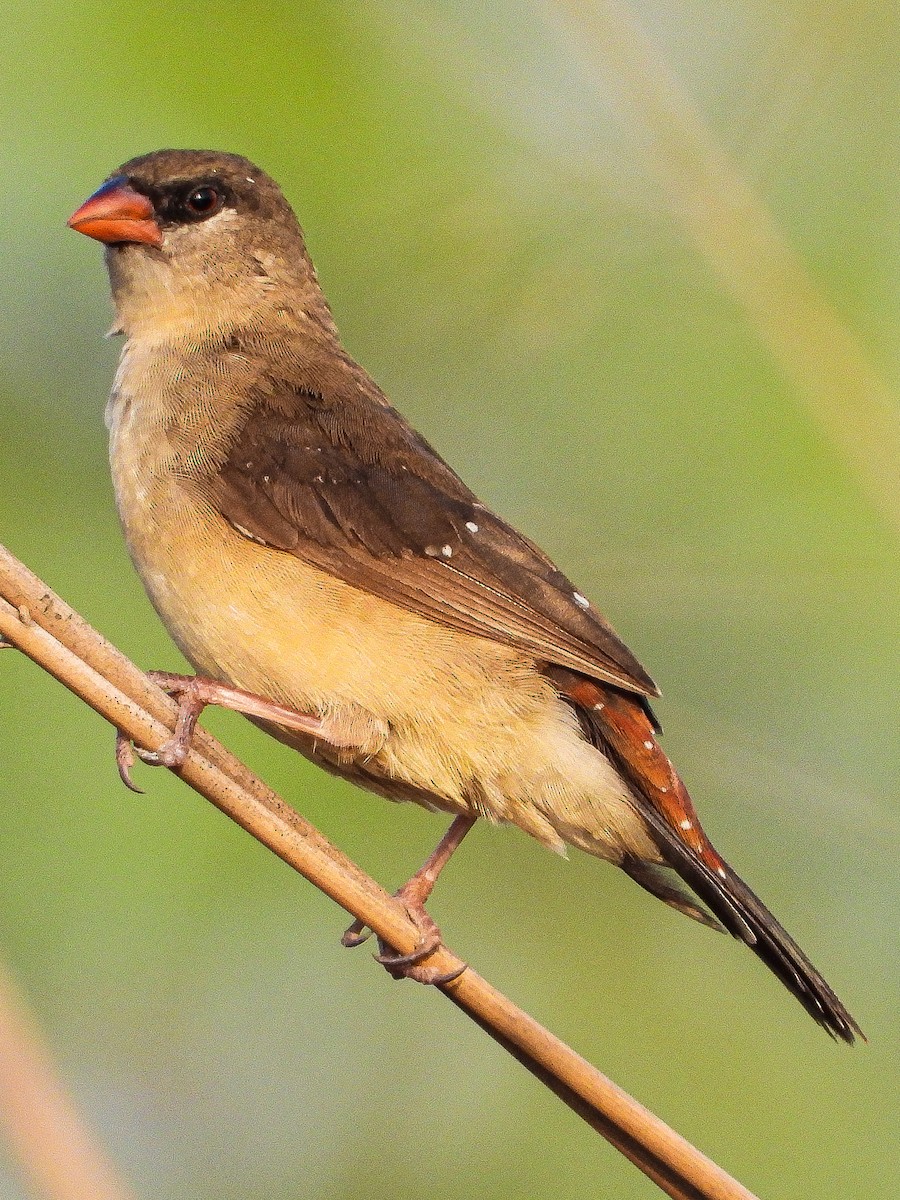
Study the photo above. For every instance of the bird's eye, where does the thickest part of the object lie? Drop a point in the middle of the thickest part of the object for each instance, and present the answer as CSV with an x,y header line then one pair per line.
x,y
202,201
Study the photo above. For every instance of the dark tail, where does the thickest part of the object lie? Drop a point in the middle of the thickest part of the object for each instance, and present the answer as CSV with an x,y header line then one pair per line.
x,y
746,917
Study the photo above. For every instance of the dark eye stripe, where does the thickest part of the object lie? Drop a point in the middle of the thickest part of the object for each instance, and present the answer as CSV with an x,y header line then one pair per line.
x,y
189,202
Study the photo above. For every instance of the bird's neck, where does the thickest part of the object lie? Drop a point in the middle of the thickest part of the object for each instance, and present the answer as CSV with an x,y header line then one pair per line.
x,y
160,301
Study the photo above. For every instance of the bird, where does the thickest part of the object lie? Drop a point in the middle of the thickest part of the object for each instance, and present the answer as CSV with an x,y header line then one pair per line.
x,y
326,572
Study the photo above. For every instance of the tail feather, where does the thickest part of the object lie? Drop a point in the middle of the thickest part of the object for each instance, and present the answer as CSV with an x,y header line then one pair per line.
x,y
746,917
658,882
622,727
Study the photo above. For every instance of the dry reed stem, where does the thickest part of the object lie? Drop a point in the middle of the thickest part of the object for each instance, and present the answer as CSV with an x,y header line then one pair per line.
x,y
59,640
46,1133
742,243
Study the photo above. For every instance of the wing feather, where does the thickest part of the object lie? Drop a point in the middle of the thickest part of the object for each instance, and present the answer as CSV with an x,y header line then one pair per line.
x,y
343,482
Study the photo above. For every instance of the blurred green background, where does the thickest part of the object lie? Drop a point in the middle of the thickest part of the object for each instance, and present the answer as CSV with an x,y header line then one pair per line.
x,y
499,253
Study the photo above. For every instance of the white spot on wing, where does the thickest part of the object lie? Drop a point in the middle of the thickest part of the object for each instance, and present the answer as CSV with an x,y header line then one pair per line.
x,y
447,551
648,745
580,600
246,533
686,824
471,526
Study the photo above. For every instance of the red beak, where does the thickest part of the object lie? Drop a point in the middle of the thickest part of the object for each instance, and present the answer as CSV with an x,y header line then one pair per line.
x,y
117,213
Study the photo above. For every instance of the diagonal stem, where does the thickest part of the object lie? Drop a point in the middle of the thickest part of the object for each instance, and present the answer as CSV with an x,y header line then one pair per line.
x,y
60,641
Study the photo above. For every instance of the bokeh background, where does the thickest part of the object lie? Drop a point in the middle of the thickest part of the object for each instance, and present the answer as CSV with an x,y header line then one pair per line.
x,y
504,219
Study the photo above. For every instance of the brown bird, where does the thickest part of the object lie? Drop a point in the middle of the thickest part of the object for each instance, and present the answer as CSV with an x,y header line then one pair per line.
x,y
326,572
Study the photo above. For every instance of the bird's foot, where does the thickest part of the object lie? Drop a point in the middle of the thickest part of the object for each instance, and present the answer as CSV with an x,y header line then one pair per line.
x,y
194,693
414,893
411,965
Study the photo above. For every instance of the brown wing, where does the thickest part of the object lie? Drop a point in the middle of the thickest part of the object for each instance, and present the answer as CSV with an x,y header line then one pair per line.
x,y
342,481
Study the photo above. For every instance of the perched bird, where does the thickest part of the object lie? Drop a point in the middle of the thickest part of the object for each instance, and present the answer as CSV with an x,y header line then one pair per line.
x,y
325,571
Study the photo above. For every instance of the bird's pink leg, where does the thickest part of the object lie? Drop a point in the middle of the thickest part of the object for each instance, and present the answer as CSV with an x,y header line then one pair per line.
x,y
194,693
414,894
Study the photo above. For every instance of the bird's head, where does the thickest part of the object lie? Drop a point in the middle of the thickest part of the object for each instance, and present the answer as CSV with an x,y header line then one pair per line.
x,y
192,232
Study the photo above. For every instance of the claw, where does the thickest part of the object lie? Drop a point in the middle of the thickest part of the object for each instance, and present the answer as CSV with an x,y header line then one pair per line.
x,y
408,966
393,961
354,935
171,754
432,978
125,761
